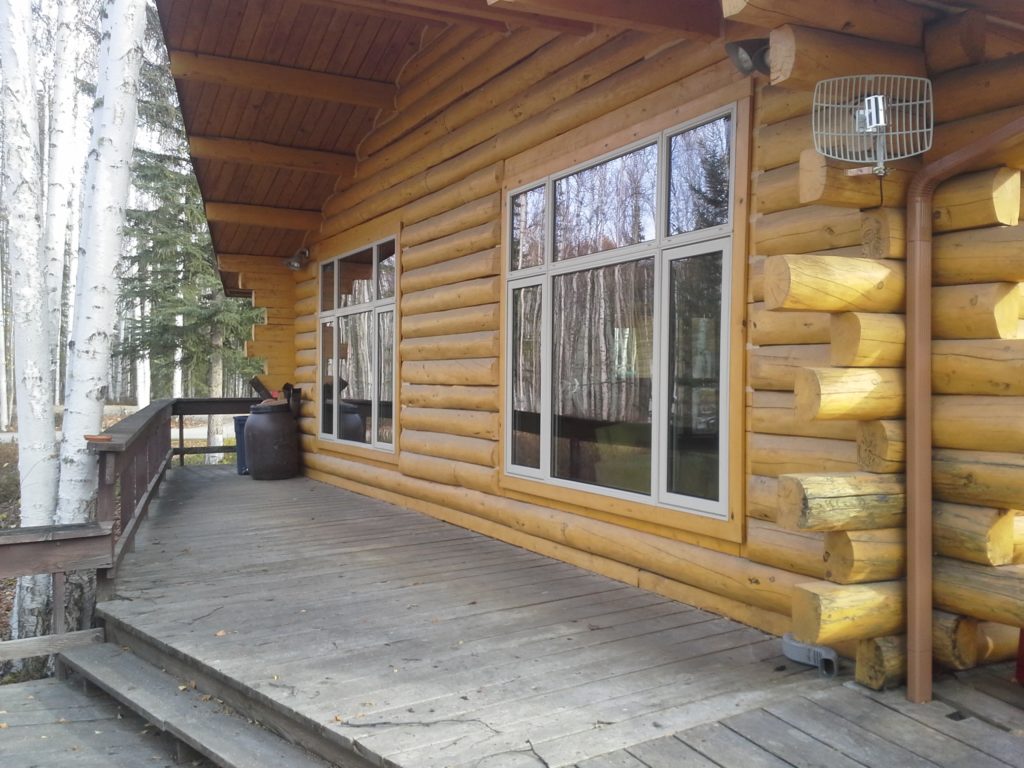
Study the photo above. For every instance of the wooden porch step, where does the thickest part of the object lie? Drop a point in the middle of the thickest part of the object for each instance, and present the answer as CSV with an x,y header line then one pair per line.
x,y
201,722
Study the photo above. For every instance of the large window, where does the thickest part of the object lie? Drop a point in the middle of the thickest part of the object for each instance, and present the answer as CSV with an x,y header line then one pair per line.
x,y
618,340
357,346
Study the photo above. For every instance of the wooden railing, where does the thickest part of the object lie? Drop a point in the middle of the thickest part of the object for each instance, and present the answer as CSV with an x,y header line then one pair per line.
x,y
135,453
133,456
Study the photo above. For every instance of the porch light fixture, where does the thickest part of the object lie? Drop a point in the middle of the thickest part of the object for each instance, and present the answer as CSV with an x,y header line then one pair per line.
x,y
298,260
749,56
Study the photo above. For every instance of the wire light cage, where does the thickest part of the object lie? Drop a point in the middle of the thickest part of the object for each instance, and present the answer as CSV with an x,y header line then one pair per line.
x,y
872,119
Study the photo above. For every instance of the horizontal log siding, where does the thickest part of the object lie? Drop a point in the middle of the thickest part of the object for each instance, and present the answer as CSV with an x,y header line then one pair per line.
x,y
438,171
279,292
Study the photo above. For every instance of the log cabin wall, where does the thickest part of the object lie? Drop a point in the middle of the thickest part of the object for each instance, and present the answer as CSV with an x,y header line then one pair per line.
x,y
436,174
273,289
820,545
826,369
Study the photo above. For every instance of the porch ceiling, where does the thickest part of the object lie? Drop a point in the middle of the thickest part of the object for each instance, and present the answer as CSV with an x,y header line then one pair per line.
x,y
278,94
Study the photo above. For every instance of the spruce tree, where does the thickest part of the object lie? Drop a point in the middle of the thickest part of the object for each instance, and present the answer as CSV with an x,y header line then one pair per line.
x,y
169,268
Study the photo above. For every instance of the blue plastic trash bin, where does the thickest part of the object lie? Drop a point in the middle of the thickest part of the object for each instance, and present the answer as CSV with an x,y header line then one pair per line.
x,y
240,464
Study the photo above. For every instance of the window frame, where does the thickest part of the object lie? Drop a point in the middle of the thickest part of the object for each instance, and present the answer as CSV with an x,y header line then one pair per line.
x,y
376,307
665,248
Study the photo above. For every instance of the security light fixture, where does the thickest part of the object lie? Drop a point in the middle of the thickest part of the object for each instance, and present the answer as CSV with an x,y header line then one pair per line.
x,y
298,260
749,56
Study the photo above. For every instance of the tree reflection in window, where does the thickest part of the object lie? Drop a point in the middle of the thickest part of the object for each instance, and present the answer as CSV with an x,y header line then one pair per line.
x,y
355,368
698,190
526,376
607,206
357,345
602,341
593,399
694,365
528,230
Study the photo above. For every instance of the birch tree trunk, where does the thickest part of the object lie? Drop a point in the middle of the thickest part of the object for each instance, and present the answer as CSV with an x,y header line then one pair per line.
x,y
143,371
70,286
37,459
177,382
215,426
5,324
107,184
63,168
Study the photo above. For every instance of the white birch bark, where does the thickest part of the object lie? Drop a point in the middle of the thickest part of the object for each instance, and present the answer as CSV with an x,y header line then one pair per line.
x,y
63,157
106,194
37,460
5,323
68,308
178,383
143,372
215,425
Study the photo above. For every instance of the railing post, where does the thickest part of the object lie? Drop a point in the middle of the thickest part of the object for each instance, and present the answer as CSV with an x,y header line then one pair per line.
x,y
181,439
105,494
58,625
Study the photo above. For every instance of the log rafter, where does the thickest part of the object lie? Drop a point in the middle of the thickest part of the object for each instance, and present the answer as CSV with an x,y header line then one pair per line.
x,y
695,19
385,10
258,76
514,16
263,216
271,155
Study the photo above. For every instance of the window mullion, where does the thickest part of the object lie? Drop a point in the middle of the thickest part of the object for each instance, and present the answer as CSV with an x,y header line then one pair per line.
x,y
545,379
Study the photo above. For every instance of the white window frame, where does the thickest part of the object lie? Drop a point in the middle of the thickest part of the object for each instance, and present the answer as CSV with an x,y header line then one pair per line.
x,y
665,249
376,308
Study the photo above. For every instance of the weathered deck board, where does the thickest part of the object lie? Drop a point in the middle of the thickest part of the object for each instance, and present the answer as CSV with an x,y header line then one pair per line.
x,y
997,680
664,752
898,729
50,724
982,703
726,747
784,741
861,728
427,645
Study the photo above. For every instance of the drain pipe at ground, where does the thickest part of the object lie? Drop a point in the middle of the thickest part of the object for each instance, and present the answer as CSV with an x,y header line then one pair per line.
x,y
919,395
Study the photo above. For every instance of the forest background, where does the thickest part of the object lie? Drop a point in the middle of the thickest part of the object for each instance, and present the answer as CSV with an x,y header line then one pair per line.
x,y
74,74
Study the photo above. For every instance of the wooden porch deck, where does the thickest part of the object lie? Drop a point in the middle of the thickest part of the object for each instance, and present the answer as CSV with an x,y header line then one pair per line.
x,y
378,636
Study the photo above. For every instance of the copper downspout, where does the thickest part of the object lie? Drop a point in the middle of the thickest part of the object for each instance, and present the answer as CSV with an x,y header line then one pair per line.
x,y
919,393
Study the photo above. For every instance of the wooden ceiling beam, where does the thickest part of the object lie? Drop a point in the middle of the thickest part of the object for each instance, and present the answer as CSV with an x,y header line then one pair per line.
x,y
238,73
250,262
479,9
694,19
390,10
271,155
263,216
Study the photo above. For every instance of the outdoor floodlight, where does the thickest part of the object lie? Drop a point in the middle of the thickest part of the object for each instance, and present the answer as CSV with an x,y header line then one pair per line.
x,y
749,56
298,260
